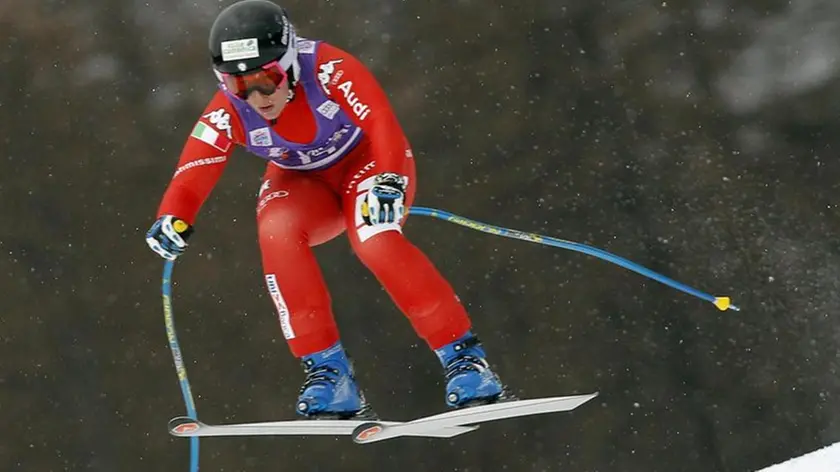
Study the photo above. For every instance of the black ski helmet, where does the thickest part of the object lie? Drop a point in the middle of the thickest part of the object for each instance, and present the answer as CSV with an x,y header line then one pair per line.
x,y
252,33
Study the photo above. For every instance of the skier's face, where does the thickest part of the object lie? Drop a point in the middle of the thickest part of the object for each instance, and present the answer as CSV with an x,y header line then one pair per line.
x,y
270,106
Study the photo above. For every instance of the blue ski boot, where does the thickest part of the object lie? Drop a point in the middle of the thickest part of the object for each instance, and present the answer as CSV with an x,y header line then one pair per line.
x,y
330,390
469,380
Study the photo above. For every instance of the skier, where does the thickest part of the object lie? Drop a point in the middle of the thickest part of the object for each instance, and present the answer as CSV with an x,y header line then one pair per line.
x,y
337,161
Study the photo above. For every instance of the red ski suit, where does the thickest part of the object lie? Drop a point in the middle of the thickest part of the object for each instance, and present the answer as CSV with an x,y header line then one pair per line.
x,y
297,210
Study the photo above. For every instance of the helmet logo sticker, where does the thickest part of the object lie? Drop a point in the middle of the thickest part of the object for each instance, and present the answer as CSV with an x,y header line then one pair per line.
x,y
240,49
241,66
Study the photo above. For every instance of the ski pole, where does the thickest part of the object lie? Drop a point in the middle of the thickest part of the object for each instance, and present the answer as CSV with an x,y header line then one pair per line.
x,y
722,303
180,368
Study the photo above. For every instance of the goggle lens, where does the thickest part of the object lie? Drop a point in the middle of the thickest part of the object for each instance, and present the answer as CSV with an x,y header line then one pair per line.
x,y
265,80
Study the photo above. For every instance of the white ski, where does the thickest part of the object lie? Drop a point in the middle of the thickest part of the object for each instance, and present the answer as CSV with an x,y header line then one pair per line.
x,y
373,431
187,427
443,425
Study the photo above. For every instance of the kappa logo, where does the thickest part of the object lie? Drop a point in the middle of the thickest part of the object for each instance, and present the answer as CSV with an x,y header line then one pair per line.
x,y
359,109
220,119
326,71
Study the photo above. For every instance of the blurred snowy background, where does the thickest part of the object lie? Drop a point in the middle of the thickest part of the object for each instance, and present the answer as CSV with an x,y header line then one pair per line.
x,y
696,137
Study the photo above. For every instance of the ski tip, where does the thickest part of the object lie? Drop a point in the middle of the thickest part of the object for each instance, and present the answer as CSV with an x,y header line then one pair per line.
x,y
589,396
723,304
182,426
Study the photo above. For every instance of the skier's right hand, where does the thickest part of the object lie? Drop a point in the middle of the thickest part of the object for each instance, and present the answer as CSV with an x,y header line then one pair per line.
x,y
168,236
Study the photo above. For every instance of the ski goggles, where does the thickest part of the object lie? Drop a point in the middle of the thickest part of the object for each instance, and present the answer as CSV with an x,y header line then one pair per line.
x,y
265,80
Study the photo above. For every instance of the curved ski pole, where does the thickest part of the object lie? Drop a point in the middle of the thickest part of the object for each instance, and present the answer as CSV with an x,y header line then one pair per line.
x,y
722,303
180,368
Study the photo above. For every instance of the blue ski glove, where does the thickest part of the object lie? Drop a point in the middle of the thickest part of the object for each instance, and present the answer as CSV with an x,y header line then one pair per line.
x,y
168,236
385,201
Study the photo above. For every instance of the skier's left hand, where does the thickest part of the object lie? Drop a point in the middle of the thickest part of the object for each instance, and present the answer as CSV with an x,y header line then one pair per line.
x,y
385,201
168,236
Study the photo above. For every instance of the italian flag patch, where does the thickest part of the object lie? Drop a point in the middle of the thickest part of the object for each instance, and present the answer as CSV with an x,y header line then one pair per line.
x,y
208,134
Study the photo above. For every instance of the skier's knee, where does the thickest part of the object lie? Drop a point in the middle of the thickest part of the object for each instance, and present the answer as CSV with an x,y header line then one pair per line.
x,y
381,247
275,228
